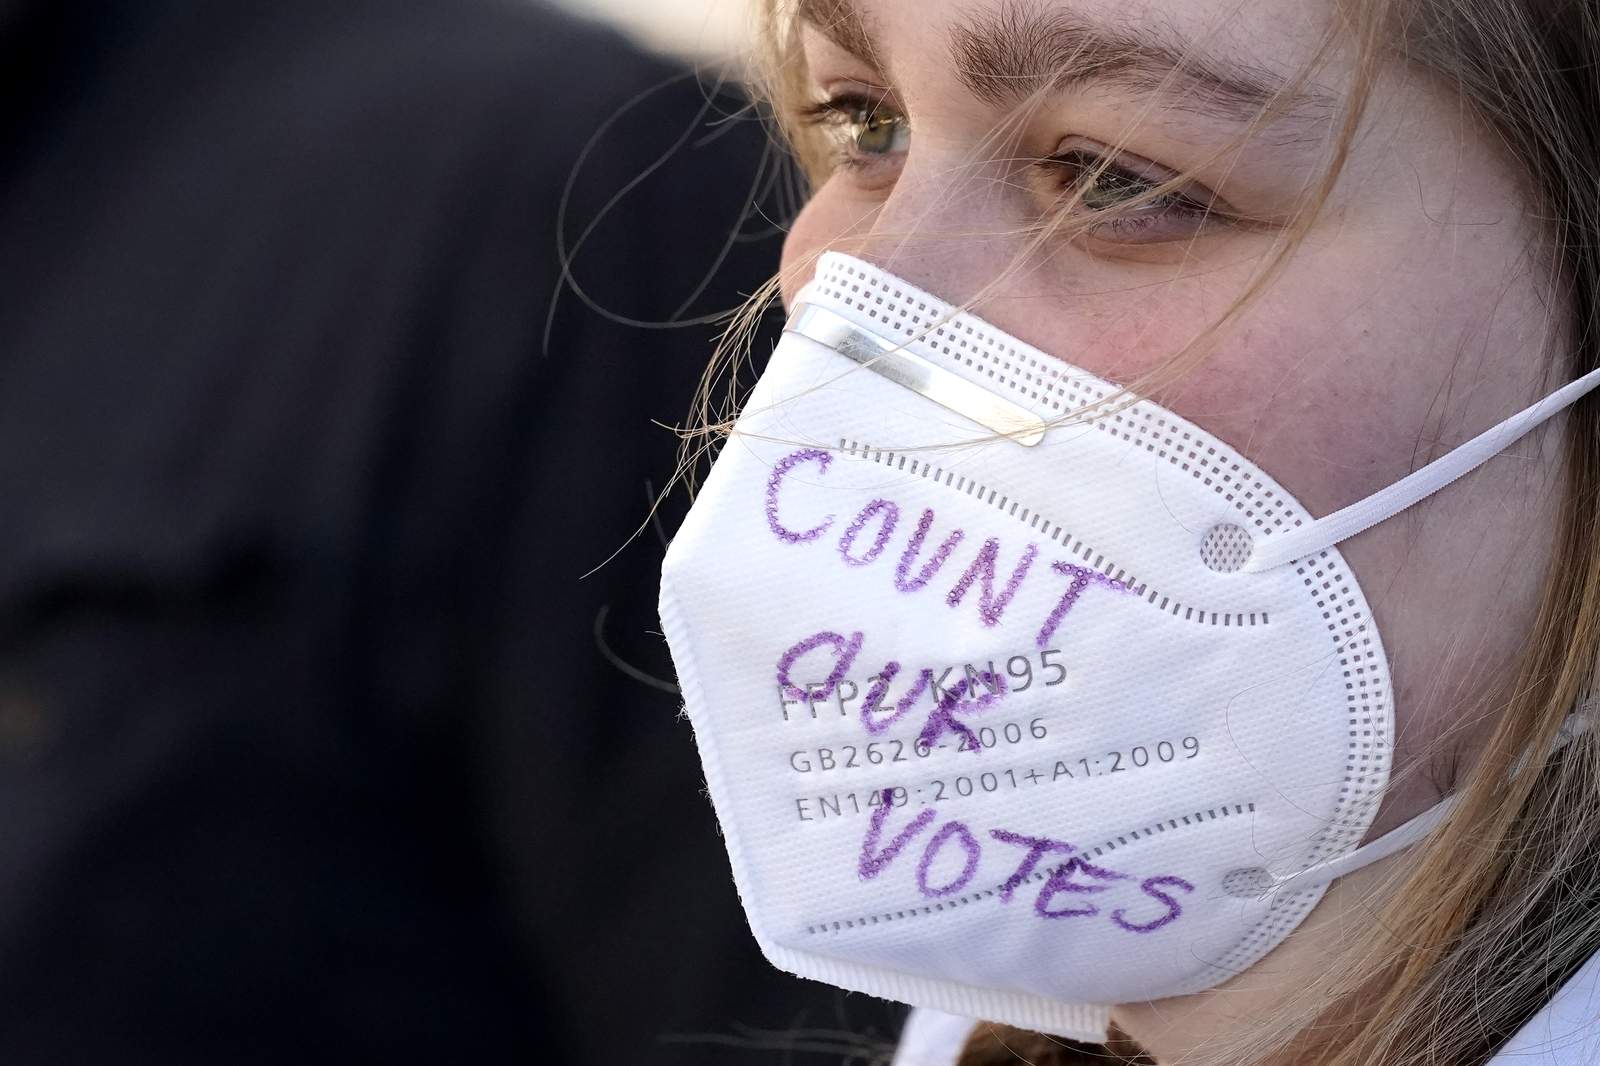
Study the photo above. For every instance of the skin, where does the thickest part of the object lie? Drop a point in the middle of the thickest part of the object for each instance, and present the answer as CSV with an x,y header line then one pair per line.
x,y
1412,317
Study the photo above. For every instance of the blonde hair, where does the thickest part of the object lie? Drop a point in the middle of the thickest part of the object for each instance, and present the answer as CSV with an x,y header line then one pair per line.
x,y
1503,902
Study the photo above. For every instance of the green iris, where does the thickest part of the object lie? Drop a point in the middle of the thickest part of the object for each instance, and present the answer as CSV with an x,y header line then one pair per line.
x,y
878,132
1110,189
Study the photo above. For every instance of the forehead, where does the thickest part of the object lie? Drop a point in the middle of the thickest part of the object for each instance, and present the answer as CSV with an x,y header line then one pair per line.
x,y
1276,38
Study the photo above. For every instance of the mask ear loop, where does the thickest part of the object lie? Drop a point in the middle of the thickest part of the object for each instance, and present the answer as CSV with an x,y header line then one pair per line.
x,y
1394,840
1276,549
1323,533
1576,724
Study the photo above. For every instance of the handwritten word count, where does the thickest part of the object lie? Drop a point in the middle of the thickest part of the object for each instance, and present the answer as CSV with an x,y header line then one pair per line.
x,y
868,535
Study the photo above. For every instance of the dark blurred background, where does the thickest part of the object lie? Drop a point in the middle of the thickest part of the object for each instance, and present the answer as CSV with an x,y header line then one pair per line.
x,y
316,745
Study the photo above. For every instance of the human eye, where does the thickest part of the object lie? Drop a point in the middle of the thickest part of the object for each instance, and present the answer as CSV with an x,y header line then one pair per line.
x,y
1125,199
869,134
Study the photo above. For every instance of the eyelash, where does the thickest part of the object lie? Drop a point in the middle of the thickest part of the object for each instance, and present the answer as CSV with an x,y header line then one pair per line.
x,y
1082,164
847,111
841,113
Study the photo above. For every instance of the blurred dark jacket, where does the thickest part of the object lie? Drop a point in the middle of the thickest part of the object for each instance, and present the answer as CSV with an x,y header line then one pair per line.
x,y
313,744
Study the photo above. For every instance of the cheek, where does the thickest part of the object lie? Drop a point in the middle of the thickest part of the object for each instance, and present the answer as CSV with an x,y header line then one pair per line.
x,y
1305,380
1277,382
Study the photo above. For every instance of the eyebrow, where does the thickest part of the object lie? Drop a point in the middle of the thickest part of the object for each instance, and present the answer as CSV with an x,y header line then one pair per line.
x,y
842,23
1023,48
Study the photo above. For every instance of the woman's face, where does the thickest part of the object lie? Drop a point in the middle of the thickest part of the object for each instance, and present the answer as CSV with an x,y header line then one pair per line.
x,y
1409,319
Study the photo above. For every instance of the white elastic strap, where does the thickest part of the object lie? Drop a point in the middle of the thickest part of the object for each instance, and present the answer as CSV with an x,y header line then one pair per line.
x,y
1325,532
1576,724
1395,840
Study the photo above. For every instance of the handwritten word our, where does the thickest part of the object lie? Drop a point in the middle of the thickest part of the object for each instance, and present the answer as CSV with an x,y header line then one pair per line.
x,y
867,536
876,716
1061,894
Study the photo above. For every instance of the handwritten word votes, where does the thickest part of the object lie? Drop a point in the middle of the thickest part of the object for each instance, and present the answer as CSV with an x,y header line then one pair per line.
x,y
866,537
1062,893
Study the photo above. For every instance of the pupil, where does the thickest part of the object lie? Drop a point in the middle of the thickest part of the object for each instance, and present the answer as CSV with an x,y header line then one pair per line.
x,y
877,132
1109,189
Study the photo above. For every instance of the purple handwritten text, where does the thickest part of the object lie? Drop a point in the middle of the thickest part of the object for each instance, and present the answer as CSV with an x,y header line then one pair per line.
x,y
890,518
1061,895
943,719
991,606
872,717
781,471
914,548
969,843
1082,578
873,860
1038,848
1152,886
845,650
1061,880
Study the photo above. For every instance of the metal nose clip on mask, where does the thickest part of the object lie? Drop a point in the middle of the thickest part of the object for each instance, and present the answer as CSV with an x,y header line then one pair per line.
x,y
1016,718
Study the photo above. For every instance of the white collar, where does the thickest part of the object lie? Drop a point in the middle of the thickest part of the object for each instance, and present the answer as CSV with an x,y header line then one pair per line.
x,y
1565,1033
932,1038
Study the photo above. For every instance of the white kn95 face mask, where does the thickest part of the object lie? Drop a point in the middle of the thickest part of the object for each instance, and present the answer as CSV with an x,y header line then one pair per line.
x,y
1013,716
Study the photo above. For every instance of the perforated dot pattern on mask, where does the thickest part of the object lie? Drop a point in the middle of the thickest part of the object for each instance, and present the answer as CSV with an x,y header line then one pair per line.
x,y
1226,548
1248,882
